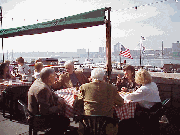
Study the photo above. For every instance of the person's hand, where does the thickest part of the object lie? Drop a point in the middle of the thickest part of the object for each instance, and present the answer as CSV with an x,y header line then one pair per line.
x,y
124,89
90,79
118,82
61,103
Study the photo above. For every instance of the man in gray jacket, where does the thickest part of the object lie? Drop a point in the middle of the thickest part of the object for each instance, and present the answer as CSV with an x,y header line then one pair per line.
x,y
43,101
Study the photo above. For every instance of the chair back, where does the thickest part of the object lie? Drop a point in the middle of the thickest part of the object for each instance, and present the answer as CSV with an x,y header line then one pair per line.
x,y
17,92
165,101
95,124
11,95
27,113
156,111
161,110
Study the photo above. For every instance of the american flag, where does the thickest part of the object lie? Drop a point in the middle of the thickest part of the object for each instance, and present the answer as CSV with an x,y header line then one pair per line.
x,y
125,52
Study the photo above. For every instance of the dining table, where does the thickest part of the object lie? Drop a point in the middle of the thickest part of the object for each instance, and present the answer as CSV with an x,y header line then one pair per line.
x,y
127,110
68,96
123,112
5,84
10,92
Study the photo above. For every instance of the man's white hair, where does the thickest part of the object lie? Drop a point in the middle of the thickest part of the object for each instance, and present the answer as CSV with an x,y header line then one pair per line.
x,y
69,62
97,74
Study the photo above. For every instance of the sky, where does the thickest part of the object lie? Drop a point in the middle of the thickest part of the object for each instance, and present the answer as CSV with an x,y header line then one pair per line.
x,y
156,23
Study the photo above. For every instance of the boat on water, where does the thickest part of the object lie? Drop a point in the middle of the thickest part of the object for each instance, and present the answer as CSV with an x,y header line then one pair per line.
x,y
100,65
88,63
48,61
62,62
151,68
77,64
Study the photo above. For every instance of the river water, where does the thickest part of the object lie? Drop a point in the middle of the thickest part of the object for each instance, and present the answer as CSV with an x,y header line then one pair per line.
x,y
136,62
153,62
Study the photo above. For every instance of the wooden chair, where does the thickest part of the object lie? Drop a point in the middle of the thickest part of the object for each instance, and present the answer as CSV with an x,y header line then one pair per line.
x,y
157,111
150,118
94,124
10,99
36,122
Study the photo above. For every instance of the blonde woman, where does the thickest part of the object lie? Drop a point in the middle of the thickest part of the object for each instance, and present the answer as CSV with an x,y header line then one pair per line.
x,y
147,95
38,67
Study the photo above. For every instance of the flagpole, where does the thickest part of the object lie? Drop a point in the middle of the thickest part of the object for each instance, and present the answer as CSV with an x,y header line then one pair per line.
x,y
141,40
1,28
120,61
140,55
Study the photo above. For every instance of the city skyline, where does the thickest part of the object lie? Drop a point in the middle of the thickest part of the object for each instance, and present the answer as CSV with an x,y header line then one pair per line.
x,y
155,20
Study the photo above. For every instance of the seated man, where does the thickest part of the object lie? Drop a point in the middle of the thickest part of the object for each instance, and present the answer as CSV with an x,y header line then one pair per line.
x,y
98,96
42,101
22,67
71,78
38,67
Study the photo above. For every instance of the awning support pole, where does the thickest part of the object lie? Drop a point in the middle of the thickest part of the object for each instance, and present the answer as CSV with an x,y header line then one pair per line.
x,y
1,28
108,45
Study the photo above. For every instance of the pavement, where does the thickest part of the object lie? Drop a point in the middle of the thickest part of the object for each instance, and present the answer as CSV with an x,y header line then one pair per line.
x,y
18,127
13,127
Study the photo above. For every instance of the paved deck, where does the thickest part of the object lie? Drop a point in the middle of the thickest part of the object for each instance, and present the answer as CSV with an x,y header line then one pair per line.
x,y
13,127
19,127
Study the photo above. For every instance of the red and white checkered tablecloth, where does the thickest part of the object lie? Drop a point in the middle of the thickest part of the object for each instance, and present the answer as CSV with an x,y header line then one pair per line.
x,y
124,112
5,84
68,96
127,110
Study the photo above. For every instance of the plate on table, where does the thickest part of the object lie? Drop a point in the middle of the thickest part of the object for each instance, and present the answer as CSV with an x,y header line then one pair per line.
x,y
59,92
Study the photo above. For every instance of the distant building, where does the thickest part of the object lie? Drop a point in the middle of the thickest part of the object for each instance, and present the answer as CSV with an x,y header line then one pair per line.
x,y
135,53
167,51
176,49
101,50
117,48
149,51
81,52
157,53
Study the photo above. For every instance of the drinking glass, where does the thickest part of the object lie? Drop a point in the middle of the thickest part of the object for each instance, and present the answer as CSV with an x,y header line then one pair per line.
x,y
75,93
10,81
17,79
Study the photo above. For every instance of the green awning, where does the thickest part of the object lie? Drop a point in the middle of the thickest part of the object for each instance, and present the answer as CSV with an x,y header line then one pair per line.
x,y
83,20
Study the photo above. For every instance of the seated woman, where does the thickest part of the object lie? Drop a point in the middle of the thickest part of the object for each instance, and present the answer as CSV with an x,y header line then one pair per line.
x,y
11,71
38,67
4,72
148,100
127,82
147,95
